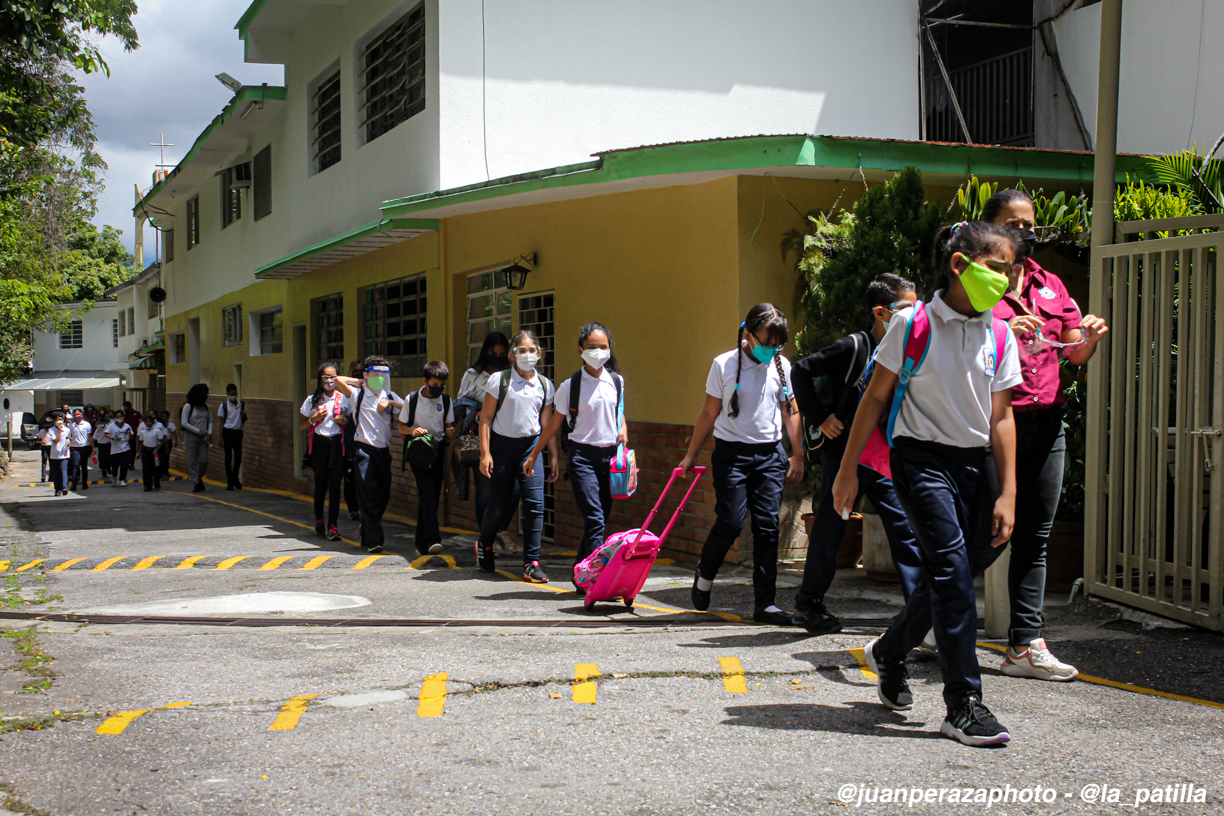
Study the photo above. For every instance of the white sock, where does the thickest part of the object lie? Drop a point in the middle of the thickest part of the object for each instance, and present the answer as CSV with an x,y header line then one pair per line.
x,y
772,608
704,584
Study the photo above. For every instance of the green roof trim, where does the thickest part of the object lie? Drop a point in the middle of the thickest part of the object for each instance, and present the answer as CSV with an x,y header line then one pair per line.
x,y
247,93
330,244
244,22
756,152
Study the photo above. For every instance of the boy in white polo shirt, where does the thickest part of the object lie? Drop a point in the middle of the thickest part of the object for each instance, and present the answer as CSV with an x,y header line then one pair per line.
x,y
80,434
429,412
374,405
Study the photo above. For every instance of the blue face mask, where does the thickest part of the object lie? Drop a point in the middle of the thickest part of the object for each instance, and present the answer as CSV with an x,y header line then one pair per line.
x,y
764,354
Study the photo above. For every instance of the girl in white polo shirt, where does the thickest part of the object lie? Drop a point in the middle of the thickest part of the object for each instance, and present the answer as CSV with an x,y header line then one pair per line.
x,y
58,440
120,435
595,432
956,404
748,405
517,404
324,414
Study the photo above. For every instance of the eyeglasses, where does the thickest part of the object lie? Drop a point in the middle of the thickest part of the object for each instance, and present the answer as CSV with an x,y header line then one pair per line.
x,y
525,350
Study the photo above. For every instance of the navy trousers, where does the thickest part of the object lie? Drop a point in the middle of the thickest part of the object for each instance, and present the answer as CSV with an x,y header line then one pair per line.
x,y
328,464
372,467
59,473
149,472
828,530
508,457
79,467
429,482
590,476
940,488
747,477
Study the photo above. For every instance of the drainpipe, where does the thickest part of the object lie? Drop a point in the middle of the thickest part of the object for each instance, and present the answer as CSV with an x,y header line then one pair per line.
x,y
1099,287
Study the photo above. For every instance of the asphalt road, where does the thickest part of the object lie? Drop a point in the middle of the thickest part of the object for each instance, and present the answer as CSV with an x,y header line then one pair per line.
x,y
445,690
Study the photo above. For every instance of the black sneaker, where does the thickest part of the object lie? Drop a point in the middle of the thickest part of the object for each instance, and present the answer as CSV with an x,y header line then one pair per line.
x,y
701,598
971,723
815,618
237,485
374,548
893,688
229,487
320,528
578,590
199,488
354,515
486,559
532,573
778,618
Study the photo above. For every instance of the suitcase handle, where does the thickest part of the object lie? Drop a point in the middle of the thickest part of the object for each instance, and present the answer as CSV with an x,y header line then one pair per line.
x,y
699,470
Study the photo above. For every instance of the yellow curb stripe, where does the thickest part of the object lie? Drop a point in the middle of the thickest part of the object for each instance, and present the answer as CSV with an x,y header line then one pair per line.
x,y
145,563
367,561
116,724
67,564
291,712
584,688
229,562
276,562
857,654
30,565
108,563
733,675
446,559
433,696
317,561
188,563
4,565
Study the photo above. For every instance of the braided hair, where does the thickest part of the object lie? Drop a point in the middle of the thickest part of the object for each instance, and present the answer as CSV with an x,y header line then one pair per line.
x,y
318,394
769,317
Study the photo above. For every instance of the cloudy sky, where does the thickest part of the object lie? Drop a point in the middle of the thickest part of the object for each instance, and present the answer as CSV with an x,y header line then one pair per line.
x,y
166,86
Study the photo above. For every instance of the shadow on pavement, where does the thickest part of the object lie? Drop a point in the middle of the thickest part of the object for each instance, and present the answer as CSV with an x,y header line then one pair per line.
x,y
853,718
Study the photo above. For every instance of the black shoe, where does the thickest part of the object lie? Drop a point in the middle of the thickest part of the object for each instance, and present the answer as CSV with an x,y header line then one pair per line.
x,y
72,486
199,488
701,598
320,528
971,723
85,486
486,559
237,485
578,590
148,490
374,548
773,618
813,617
229,487
354,515
893,688
57,492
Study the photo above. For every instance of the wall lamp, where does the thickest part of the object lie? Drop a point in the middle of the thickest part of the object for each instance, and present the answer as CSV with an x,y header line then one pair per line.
x,y
516,274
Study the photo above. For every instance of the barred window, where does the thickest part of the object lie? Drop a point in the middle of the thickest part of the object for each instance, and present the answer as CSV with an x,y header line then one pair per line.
x,y
193,221
394,325
271,332
123,332
71,337
115,332
329,329
325,122
231,199
393,75
231,325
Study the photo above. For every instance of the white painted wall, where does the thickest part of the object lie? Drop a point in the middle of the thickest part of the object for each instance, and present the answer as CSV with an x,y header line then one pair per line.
x,y
1168,47
97,352
562,79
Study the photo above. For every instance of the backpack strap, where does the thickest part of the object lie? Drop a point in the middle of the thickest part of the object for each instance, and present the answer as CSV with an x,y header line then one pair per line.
x,y
503,388
575,384
412,404
998,333
917,343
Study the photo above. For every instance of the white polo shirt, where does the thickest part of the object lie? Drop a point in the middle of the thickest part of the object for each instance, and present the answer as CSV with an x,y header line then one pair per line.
x,y
760,398
231,413
338,403
596,423
79,433
428,414
519,416
151,437
59,449
373,425
473,384
121,438
99,434
948,400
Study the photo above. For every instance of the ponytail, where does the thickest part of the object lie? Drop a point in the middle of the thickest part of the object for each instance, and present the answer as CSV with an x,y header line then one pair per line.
x,y
739,366
973,239
788,407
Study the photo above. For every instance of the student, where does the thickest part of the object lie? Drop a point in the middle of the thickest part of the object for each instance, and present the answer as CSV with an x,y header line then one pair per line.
x,y
491,360
102,444
44,425
57,440
374,404
131,415
748,405
957,403
80,435
1046,321
841,366
429,412
196,421
325,413
149,438
594,432
120,435
233,418
517,404
171,434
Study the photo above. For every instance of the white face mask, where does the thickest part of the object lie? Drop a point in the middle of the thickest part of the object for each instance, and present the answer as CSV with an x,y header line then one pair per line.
x,y
596,358
234,399
527,360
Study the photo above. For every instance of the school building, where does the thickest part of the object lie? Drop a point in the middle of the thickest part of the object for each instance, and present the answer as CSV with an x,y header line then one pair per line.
x,y
388,199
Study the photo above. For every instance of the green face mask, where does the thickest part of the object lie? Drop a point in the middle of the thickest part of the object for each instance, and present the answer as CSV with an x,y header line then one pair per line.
x,y
983,285
376,383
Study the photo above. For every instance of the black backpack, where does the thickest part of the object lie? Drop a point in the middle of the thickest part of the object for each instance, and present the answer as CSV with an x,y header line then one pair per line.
x,y
421,454
813,438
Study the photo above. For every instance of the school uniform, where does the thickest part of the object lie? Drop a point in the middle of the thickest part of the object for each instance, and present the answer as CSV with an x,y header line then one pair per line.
x,y
80,443
231,438
468,402
102,446
168,446
196,421
58,454
592,446
513,434
372,461
121,448
151,439
940,441
433,415
326,451
749,465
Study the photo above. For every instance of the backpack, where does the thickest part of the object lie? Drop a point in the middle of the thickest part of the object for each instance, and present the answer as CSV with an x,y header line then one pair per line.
x,y
575,384
918,343
812,435
422,451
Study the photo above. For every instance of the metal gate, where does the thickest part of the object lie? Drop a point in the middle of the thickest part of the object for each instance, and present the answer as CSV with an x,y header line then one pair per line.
x,y
1154,536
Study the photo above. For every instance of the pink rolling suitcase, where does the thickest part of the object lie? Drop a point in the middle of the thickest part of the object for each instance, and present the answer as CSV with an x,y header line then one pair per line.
x,y
622,574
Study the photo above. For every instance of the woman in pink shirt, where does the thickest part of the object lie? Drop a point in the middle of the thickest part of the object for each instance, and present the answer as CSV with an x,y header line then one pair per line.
x,y
1048,325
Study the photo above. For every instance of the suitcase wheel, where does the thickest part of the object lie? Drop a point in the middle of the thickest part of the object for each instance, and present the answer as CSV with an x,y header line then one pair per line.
x,y
628,602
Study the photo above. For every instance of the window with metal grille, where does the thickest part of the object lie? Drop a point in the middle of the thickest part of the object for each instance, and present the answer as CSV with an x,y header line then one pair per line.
x,y
71,337
72,399
231,199
488,310
261,172
394,324
325,123
122,323
168,244
115,332
193,221
393,75
178,347
231,325
329,330
271,332
131,319
535,313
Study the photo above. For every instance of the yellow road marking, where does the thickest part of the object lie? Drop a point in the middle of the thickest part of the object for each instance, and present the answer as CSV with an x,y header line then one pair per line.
x,y
67,564
4,565
367,561
229,562
446,559
291,712
116,724
857,654
188,563
108,563
276,562
30,565
433,696
317,561
733,675
584,688
145,563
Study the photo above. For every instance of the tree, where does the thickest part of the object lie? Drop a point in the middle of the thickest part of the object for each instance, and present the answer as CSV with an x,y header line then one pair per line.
x,y
96,261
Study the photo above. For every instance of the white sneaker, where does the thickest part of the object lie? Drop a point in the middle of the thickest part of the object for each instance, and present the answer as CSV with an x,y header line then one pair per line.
x,y
123,482
928,643
506,543
1037,662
